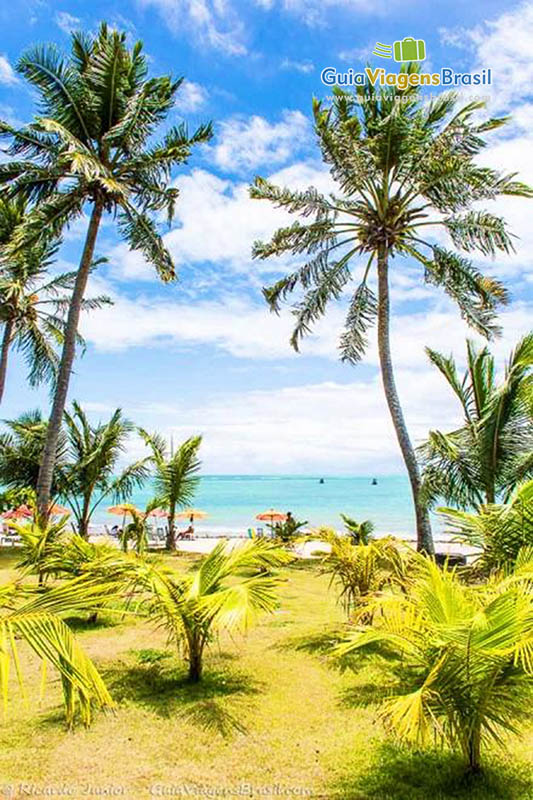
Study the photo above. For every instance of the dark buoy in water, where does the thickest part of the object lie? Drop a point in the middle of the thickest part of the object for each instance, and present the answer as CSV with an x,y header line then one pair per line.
x,y
321,480
374,482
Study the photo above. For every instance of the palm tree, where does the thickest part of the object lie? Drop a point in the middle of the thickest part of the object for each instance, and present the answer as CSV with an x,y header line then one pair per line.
x,y
400,167
176,476
226,591
35,617
360,570
92,149
359,532
32,304
136,530
464,653
94,455
38,543
498,531
21,448
493,450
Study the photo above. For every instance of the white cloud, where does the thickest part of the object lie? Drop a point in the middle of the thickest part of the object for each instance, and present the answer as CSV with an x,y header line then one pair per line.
x,y
242,429
246,143
503,45
67,22
214,22
7,74
217,222
191,97
305,67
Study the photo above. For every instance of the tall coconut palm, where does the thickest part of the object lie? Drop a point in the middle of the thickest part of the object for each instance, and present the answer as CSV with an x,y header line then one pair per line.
x,y
400,167
32,303
92,471
176,476
92,149
483,460
464,656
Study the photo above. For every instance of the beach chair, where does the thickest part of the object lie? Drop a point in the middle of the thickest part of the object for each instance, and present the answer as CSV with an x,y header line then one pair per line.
x,y
251,533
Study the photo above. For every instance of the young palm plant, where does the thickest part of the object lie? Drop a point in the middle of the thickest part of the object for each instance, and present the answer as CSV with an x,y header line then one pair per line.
x,y
136,530
38,542
464,652
230,587
36,619
176,476
401,168
499,531
483,460
360,570
32,304
91,472
360,532
92,148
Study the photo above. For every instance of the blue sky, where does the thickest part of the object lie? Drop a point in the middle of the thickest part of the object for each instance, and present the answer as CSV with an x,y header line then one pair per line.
x,y
205,355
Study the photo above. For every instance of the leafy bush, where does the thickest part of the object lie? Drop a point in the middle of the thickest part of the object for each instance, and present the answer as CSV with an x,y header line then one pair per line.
x,y
465,655
360,570
499,531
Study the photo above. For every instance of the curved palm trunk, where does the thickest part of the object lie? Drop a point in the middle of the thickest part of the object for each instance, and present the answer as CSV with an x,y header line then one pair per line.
x,y
44,482
424,536
6,342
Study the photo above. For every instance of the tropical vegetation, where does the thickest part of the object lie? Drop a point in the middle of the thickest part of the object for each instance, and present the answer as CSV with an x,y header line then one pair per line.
x,y
401,168
438,654
483,460
33,303
92,149
175,476
464,655
37,620
498,532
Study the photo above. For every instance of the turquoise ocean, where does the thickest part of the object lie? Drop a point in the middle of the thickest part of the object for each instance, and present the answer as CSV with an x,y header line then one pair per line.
x,y
232,501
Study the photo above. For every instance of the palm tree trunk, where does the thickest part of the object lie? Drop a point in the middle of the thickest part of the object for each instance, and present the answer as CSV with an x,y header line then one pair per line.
x,y
6,342
44,482
84,520
171,534
195,658
424,536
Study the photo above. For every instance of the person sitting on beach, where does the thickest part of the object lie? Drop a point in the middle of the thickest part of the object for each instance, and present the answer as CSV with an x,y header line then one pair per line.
x,y
186,534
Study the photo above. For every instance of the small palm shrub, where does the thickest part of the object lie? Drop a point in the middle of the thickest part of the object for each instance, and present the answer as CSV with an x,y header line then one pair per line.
x,y
498,531
39,540
230,587
465,655
361,570
34,616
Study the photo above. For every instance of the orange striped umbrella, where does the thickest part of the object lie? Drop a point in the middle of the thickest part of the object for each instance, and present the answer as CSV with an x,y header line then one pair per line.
x,y
272,516
192,514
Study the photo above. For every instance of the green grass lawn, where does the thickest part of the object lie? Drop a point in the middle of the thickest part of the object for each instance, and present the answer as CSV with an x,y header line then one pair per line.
x,y
272,712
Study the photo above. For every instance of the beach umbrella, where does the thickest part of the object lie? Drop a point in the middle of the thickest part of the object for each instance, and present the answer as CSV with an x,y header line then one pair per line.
x,y
122,509
22,512
58,511
272,516
157,512
191,514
